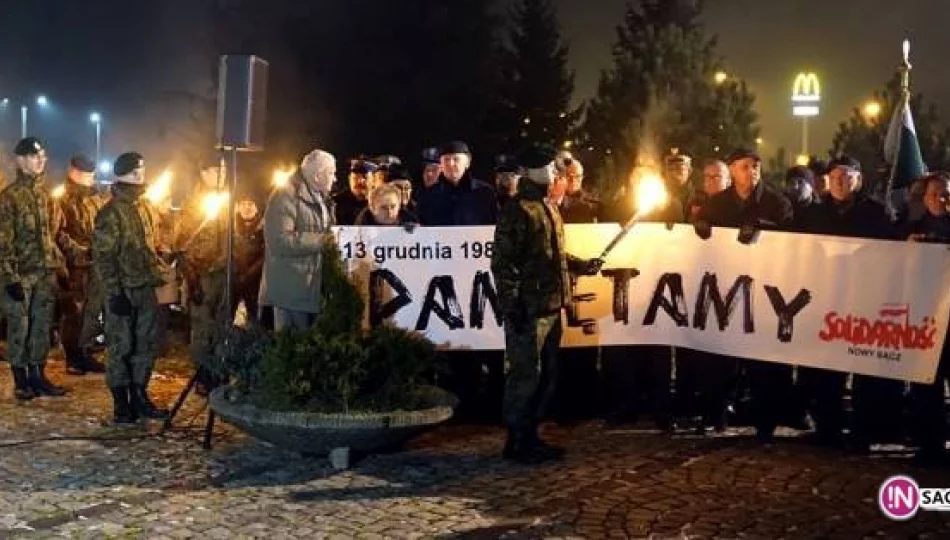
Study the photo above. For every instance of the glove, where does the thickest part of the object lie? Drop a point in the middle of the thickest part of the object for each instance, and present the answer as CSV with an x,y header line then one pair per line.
x,y
410,227
15,292
703,229
517,321
748,233
592,267
119,305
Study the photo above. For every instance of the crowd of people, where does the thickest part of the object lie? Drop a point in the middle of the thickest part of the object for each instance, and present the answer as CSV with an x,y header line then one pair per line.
x,y
84,254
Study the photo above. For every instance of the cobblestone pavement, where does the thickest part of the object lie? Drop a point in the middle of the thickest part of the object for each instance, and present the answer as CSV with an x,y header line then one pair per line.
x,y
64,474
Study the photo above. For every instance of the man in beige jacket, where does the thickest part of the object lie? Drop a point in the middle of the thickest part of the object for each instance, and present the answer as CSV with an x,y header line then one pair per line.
x,y
297,222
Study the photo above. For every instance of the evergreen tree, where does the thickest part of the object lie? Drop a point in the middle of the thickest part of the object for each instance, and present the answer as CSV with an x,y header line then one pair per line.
x,y
538,83
862,136
662,93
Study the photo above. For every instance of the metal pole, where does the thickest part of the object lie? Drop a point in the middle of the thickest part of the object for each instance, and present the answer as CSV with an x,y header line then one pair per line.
x,y
804,135
98,139
23,122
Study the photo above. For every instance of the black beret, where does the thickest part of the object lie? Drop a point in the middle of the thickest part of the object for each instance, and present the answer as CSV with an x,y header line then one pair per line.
x,y
505,164
430,155
398,171
537,156
846,161
801,172
454,147
742,153
82,163
127,163
28,147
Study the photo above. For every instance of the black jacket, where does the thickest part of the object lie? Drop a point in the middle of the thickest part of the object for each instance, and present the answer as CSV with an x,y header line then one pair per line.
x,y
936,228
470,202
579,207
861,217
346,207
766,208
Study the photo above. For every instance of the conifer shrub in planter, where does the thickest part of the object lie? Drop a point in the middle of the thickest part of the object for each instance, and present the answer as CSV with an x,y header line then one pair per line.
x,y
335,385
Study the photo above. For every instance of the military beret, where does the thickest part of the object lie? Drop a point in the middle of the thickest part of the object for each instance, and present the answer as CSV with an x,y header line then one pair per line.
x,y
398,171
505,163
127,162
537,156
28,147
82,163
742,153
454,147
800,172
846,161
430,156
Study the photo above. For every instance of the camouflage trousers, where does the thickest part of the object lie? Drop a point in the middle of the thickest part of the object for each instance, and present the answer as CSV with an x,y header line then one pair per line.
x,y
29,322
80,307
132,341
532,371
208,318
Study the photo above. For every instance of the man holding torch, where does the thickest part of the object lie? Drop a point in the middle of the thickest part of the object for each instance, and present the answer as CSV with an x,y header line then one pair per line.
x,y
201,239
531,269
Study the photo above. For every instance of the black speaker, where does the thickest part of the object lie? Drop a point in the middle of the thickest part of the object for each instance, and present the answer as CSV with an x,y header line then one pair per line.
x,y
242,102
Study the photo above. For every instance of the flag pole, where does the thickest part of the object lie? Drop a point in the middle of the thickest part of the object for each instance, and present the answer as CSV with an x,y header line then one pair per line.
x,y
904,101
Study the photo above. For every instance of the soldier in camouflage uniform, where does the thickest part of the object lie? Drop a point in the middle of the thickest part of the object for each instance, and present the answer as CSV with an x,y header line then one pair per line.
x,y
531,271
127,261
29,261
203,245
81,299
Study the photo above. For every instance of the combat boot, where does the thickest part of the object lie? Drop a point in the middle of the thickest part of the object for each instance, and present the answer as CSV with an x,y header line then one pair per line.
x,y
22,390
41,385
123,414
143,406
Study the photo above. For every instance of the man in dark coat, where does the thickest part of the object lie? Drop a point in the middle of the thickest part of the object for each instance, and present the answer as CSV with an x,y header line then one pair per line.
x,y
458,199
751,205
844,211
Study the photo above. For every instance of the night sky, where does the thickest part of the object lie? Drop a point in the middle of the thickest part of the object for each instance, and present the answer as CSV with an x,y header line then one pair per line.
x,y
80,54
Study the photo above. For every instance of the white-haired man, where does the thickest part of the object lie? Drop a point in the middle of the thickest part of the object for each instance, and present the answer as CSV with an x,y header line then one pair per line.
x,y
297,224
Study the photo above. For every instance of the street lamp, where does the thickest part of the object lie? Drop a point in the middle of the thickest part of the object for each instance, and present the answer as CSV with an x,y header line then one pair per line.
x,y
871,110
720,77
806,93
41,101
96,119
104,167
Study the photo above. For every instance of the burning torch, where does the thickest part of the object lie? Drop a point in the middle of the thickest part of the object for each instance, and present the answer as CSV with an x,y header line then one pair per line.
x,y
160,188
651,194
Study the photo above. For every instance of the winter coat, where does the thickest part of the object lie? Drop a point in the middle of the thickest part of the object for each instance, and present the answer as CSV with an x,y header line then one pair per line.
x,y
124,250
348,207
28,222
470,202
860,217
297,222
766,208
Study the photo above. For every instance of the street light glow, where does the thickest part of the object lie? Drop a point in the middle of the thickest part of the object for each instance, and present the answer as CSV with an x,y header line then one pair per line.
x,y
95,118
42,101
802,160
720,77
871,110
5,102
759,141
105,167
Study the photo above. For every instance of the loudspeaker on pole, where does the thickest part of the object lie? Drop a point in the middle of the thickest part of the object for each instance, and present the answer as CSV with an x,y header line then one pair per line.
x,y
242,102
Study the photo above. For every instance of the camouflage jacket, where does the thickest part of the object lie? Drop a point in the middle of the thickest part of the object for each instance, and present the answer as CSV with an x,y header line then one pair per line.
x,y
530,266
77,221
124,244
28,219
204,245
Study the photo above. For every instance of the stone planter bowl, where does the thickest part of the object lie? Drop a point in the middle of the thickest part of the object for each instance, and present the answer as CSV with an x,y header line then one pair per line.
x,y
319,433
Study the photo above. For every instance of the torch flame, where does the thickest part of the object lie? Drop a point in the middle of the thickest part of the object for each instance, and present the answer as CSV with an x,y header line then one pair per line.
x,y
58,191
282,176
160,188
212,203
651,194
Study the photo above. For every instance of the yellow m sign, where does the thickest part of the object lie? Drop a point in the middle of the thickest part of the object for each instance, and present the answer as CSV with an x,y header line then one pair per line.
x,y
806,88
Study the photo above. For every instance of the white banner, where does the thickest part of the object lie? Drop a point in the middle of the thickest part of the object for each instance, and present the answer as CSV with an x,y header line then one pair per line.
x,y
854,305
